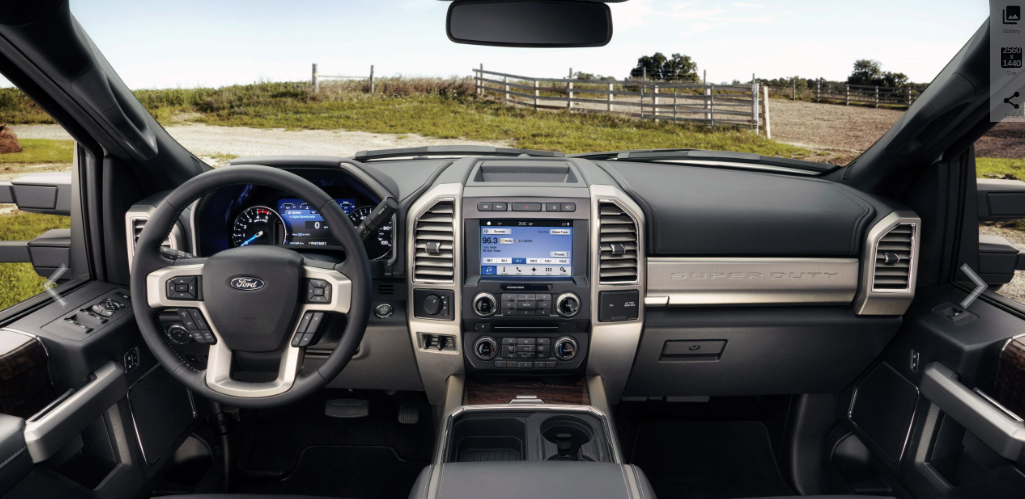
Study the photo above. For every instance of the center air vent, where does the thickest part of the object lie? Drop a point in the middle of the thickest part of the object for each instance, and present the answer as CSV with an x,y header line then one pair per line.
x,y
893,259
618,245
433,233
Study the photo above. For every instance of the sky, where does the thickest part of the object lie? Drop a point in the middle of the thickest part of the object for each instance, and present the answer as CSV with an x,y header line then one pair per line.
x,y
188,43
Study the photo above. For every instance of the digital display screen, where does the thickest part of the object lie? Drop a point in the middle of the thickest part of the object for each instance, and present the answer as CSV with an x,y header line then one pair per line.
x,y
526,248
304,225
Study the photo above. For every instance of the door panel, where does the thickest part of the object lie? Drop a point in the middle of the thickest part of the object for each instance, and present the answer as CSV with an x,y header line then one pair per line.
x,y
959,443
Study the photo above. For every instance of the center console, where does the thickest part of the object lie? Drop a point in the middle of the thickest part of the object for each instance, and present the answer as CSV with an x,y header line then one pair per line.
x,y
526,296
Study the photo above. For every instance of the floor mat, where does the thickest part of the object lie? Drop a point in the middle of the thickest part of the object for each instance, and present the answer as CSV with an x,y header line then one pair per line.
x,y
708,459
364,472
300,450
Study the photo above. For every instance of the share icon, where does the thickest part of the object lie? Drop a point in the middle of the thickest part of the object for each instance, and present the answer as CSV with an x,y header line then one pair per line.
x,y
1008,101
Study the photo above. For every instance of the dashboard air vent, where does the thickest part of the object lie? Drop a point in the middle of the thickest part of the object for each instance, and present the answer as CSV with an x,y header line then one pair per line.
x,y
433,233
893,259
618,245
137,225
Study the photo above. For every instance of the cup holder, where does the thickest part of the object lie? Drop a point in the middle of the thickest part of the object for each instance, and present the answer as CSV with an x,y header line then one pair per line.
x,y
566,438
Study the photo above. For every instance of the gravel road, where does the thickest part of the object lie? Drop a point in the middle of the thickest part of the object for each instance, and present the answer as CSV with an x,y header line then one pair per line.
x,y
212,143
833,130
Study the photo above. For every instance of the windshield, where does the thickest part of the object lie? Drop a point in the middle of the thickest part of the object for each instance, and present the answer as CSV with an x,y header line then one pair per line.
x,y
795,80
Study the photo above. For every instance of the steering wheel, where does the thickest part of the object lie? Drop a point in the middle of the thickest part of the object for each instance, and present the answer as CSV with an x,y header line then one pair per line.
x,y
251,298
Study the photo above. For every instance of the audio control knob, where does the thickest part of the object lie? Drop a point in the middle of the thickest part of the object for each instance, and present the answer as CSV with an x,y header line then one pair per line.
x,y
567,305
565,348
486,348
485,305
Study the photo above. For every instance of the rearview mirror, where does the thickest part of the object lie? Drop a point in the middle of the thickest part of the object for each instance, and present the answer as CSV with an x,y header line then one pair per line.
x,y
530,23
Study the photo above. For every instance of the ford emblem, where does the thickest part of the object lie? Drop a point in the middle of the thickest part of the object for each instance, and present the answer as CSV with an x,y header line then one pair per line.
x,y
247,283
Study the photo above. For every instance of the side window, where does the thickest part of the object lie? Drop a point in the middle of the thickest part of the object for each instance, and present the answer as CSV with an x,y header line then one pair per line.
x,y
1001,189
35,194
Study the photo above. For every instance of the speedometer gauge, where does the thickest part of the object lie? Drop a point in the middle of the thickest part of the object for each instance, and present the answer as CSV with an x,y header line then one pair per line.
x,y
376,247
258,225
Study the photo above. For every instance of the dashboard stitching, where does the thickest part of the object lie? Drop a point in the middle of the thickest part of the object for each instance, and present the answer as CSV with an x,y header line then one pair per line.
x,y
440,480
626,484
638,480
857,224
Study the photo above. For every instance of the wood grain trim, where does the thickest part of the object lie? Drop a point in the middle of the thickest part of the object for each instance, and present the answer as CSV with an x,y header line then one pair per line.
x,y
1010,385
551,392
25,385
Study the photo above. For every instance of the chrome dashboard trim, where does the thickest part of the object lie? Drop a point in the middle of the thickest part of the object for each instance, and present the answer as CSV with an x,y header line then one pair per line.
x,y
436,366
614,344
887,302
750,281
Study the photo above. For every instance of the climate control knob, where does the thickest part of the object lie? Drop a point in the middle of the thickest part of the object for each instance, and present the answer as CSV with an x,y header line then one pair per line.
x,y
565,348
567,305
485,305
486,348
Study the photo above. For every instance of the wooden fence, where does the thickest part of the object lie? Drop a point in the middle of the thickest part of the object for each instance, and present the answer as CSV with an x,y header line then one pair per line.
x,y
317,77
865,94
714,105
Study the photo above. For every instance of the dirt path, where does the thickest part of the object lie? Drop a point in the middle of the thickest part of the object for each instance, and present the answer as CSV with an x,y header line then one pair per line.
x,y
840,133
217,144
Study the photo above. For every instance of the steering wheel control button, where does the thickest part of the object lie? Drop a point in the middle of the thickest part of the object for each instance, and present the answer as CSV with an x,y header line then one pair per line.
x,y
187,320
197,316
618,306
384,310
318,291
485,305
183,288
178,334
567,305
486,348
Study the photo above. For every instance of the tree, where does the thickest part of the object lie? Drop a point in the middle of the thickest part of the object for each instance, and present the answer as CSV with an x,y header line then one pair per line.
x,y
659,67
870,72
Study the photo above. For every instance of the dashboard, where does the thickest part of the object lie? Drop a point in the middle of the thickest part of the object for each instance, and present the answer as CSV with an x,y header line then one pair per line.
x,y
666,280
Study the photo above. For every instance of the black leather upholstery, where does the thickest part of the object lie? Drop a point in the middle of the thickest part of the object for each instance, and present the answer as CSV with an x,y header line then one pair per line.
x,y
15,462
519,480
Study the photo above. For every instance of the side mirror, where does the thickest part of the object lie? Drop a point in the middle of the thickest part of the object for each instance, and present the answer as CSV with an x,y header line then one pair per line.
x,y
530,23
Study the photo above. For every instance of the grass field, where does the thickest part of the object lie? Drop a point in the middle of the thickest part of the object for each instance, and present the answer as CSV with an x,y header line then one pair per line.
x,y
18,281
37,151
441,108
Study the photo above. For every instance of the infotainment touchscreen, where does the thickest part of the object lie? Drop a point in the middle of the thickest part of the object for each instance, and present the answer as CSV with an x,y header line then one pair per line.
x,y
526,248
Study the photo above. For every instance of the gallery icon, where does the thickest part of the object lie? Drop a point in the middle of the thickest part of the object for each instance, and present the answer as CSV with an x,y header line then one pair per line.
x,y
1012,14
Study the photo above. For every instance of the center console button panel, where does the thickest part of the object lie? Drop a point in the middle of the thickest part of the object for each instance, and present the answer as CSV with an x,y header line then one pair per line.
x,y
528,353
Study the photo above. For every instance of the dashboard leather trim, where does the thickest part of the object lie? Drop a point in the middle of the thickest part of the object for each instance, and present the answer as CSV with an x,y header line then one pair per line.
x,y
697,211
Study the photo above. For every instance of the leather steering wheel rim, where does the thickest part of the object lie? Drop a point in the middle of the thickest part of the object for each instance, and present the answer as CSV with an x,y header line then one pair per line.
x,y
148,259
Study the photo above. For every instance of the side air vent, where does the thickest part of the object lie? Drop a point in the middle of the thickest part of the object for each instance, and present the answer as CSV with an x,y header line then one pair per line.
x,y
137,225
618,245
893,259
433,240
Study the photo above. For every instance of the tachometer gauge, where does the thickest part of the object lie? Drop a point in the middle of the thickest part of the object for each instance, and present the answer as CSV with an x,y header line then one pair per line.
x,y
258,225
347,206
376,247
